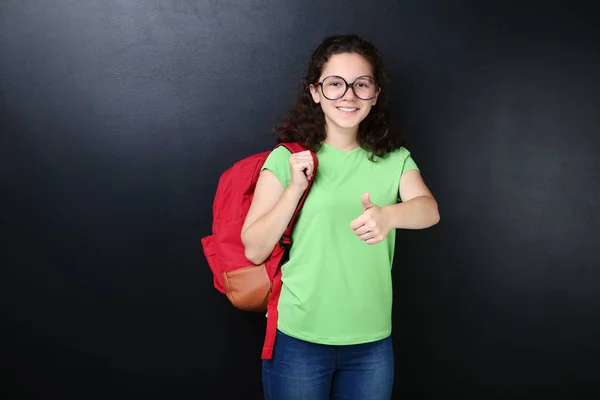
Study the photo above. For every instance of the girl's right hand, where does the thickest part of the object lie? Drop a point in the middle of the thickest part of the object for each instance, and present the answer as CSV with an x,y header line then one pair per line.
x,y
301,170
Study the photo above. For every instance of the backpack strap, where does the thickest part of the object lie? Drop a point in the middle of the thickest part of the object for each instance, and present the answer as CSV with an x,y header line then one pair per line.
x,y
286,239
284,243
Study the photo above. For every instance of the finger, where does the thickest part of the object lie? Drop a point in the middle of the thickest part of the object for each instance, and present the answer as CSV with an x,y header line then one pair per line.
x,y
361,230
304,162
299,172
300,165
309,170
300,156
358,222
367,236
366,201
309,166
374,240
363,220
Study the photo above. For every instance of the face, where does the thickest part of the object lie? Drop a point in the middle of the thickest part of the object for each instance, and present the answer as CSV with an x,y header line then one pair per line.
x,y
346,113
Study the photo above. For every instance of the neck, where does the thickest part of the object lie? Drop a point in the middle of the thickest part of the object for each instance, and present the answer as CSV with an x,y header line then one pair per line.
x,y
343,139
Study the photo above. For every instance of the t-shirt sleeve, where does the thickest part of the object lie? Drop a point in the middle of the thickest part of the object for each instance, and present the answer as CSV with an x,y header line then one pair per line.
x,y
278,163
407,161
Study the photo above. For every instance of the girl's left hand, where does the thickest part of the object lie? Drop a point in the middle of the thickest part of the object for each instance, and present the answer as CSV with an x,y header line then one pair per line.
x,y
372,226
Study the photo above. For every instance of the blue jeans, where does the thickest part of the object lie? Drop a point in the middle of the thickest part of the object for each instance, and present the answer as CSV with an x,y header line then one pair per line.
x,y
301,370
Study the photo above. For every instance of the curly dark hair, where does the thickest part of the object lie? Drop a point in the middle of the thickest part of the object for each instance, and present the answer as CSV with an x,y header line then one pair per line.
x,y
305,122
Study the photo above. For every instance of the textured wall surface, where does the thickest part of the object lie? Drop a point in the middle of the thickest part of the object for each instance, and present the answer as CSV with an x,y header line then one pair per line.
x,y
117,117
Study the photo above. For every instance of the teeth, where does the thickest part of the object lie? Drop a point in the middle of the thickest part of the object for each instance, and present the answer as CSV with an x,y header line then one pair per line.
x,y
347,109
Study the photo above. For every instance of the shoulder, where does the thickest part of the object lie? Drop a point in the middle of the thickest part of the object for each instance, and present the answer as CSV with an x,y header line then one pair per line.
x,y
398,154
399,159
278,163
277,157
279,153
402,155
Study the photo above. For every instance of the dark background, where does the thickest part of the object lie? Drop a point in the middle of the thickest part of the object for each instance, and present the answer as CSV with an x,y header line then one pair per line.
x,y
117,118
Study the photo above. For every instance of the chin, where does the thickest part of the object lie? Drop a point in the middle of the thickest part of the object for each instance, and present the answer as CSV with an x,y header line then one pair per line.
x,y
347,125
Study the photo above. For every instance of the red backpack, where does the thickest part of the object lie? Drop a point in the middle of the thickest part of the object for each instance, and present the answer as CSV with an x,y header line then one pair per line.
x,y
249,287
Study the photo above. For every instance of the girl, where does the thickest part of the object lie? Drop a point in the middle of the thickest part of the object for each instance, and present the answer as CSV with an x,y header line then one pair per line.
x,y
334,327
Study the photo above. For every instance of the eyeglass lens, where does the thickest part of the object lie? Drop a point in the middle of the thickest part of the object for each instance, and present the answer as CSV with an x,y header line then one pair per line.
x,y
334,87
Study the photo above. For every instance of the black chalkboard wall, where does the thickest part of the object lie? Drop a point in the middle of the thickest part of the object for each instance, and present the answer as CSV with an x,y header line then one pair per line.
x,y
117,118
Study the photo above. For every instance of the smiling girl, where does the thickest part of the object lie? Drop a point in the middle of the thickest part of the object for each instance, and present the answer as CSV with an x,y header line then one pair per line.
x,y
334,325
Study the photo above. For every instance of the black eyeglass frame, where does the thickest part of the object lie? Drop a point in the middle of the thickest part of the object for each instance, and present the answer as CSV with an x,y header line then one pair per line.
x,y
351,84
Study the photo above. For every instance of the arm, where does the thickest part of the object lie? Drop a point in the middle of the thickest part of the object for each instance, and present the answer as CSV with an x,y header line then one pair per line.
x,y
269,214
418,209
273,205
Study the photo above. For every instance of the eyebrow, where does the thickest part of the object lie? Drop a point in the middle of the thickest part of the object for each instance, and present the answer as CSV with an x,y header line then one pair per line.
x,y
348,80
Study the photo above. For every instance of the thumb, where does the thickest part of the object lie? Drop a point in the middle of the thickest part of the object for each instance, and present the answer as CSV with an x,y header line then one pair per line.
x,y
366,201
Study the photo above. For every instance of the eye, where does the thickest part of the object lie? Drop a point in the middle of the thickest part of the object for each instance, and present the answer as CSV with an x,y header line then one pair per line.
x,y
364,83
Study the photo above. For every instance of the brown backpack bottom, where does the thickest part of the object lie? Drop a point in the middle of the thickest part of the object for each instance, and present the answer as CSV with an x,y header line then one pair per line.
x,y
248,288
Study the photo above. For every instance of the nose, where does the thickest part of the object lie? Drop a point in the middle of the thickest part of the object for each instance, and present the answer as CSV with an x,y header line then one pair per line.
x,y
349,95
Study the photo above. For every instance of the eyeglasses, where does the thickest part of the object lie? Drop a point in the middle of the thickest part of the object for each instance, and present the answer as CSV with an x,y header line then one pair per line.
x,y
335,87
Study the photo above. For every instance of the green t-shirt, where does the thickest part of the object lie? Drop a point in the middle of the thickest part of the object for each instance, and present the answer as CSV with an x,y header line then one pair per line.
x,y
336,288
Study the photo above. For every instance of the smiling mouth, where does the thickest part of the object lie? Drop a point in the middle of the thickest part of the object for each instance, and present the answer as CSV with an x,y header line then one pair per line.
x,y
347,109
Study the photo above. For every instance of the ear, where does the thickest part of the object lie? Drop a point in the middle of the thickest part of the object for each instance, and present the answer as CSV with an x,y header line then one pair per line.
x,y
376,96
315,93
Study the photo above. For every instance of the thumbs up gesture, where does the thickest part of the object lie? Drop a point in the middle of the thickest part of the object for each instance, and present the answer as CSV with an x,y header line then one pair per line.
x,y
370,227
366,202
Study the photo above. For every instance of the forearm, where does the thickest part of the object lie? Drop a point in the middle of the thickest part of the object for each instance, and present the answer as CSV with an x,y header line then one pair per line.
x,y
417,213
260,238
